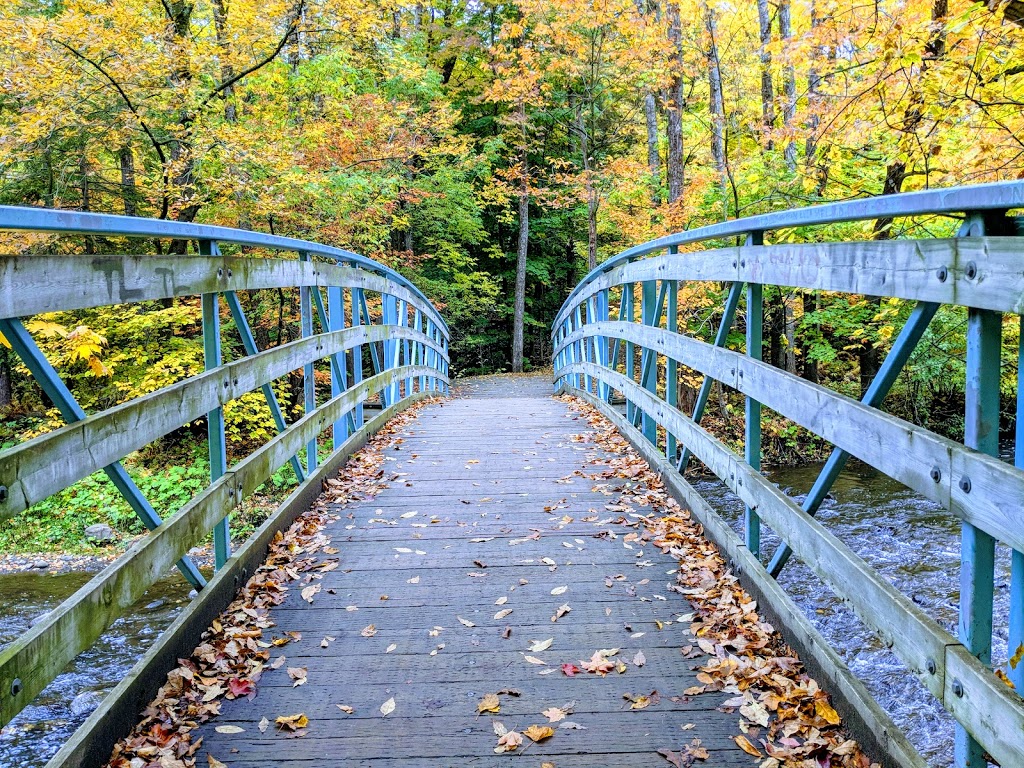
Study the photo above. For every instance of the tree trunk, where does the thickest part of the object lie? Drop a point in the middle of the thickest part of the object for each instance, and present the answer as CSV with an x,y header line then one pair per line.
x,y
83,168
767,89
717,104
519,309
653,157
896,173
814,100
6,390
128,196
789,328
810,367
675,164
583,135
789,87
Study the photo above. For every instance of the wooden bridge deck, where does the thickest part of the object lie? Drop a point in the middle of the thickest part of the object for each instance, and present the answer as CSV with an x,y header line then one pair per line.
x,y
521,438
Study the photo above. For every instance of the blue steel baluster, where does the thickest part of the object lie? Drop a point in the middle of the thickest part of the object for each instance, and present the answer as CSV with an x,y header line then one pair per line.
x,y
308,380
1016,637
335,321
648,357
249,344
752,409
365,310
403,320
671,364
603,390
578,345
628,314
50,382
355,303
215,418
977,548
721,336
389,316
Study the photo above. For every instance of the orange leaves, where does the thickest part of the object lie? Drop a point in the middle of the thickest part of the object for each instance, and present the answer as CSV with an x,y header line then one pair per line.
x,y
539,732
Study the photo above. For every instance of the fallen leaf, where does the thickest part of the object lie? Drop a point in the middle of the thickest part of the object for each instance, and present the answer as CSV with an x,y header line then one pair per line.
x,y
391,647
263,724
535,660
823,710
539,732
214,762
464,622
387,707
561,611
559,590
538,646
308,592
326,641
345,708
639,660
509,742
746,746
503,613
553,714
414,580
229,729
570,670
501,600
569,725
292,722
489,703
369,631
298,674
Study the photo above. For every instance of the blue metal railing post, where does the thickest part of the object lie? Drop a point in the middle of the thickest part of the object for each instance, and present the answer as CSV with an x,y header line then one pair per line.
x,y
389,306
54,387
977,548
732,300
601,303
752,408
249,344
215,419
308,377
648,357
339,383
627,313
671,364
1015,643
356,301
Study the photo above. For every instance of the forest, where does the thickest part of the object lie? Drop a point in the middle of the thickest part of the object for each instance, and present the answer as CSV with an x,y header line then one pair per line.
x,y
493,152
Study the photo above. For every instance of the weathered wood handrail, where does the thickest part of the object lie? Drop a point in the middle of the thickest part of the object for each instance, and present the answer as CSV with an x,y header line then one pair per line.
x,y
981,270
408,350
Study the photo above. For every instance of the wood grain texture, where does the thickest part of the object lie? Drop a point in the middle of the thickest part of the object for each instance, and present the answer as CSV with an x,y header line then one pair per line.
x,y
905,269
435,721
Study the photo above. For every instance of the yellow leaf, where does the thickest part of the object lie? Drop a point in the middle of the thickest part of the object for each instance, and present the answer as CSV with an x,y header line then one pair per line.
x,y
823,710
746,746
214,762
489,703
539,732
292,722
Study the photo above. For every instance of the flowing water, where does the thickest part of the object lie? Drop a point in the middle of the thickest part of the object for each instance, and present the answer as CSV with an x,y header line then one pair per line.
x,y
911,541
36,734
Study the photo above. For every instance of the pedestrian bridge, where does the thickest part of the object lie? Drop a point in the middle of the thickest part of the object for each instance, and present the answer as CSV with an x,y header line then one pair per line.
x,y
482,571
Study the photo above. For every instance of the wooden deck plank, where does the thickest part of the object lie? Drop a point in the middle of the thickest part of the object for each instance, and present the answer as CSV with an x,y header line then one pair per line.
x,y
527,460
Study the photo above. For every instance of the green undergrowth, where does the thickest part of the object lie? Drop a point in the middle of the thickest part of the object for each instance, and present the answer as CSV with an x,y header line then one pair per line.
x,y
57,524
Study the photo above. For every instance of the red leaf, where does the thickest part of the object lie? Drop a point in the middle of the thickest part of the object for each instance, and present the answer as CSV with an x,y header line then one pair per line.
x,y
240,686
569,670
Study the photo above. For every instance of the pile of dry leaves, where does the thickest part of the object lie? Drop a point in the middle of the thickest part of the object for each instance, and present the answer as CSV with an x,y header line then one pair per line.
x,y
236,648
785,718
